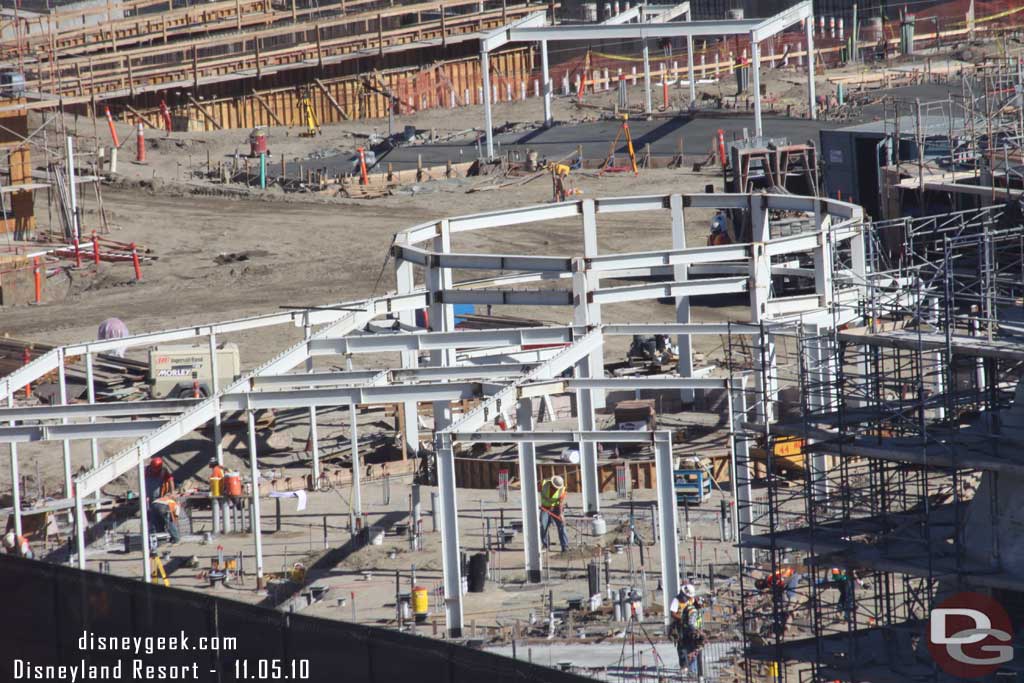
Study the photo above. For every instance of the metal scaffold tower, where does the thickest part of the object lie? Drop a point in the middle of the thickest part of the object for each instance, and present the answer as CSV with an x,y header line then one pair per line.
x,y
877,447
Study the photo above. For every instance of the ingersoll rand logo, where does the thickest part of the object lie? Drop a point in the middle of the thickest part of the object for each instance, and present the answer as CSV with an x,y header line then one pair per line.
x,y
970,635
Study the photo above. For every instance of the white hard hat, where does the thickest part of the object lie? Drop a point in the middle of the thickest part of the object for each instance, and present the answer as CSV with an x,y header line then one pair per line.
x,y
558,481
9,539
689,591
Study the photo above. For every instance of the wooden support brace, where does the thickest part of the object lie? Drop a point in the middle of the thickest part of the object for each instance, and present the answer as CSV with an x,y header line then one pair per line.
x,y
330,98
140,117
210,117
266,107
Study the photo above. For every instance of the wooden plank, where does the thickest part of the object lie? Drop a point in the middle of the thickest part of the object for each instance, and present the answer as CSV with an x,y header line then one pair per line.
x,y
267,108
330,98
205,113
140,117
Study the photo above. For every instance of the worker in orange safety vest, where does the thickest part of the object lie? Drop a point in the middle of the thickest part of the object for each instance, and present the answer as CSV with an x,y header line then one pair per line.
x,y
165,516
16,544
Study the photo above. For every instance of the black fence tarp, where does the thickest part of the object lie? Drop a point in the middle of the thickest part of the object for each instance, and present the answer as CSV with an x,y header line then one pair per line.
x,y
45,609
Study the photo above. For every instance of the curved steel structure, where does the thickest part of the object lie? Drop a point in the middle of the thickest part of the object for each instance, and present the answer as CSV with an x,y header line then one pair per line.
x,y
823,242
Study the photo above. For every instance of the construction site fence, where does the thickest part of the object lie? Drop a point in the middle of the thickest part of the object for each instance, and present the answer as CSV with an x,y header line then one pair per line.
x,y
50,607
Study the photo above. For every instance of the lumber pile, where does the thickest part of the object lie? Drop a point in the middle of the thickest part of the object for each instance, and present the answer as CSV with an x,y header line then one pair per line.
x,y
114,379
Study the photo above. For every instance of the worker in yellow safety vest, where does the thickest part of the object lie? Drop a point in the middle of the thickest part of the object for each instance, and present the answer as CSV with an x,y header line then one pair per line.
x,y
552,502
165,516
687,627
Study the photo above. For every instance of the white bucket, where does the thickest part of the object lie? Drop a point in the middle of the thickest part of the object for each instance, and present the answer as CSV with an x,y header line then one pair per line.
x,y
598,527
376,536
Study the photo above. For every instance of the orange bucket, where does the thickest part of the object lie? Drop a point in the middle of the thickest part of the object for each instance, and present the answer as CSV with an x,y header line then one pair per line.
x,y
233,484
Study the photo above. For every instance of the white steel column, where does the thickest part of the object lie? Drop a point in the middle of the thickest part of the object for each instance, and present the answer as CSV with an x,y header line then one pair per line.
x,y
147,571
218,435
760,291
588,449
667,520
647,79
529,504
485,75
405,278
690,70
15,477
755,60
94,444
815,361
65,444
681,273
357,465
80,530
591,313
449,533
809,37
740,475
254,473
545,83
314,433
442,316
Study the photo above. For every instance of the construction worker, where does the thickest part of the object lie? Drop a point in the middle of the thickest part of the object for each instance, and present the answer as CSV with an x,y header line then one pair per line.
x,y
165,516
843,581
552,500
783,584
159,480
16,544
216,471
687,627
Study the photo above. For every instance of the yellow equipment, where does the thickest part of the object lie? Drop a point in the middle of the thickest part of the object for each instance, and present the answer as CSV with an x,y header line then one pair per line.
x,y
159,574
312,124
623,131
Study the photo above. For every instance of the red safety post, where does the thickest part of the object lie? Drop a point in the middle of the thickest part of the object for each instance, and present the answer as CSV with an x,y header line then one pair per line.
x,y
113,131
721,147
26,358
166,115
38,276
95,249
135,262
78,254
664,88
140,145
364,178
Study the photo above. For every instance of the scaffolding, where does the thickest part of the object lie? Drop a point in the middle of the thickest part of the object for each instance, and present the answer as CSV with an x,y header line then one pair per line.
x,y
895,430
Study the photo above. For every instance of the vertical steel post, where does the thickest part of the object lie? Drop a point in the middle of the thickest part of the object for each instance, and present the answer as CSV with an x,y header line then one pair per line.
x,y
405,278
485,75
65,444
647,79
94,445
357,465
755,59
740,462
147,570
809,37
681,273
314,434
218,436
546,83
449,533
588,449
79,530
529,504
690,70
254,471
667,518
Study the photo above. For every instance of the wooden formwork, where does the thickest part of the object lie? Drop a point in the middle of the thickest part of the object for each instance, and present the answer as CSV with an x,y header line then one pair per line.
x,y
342,98
18,214
476,473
